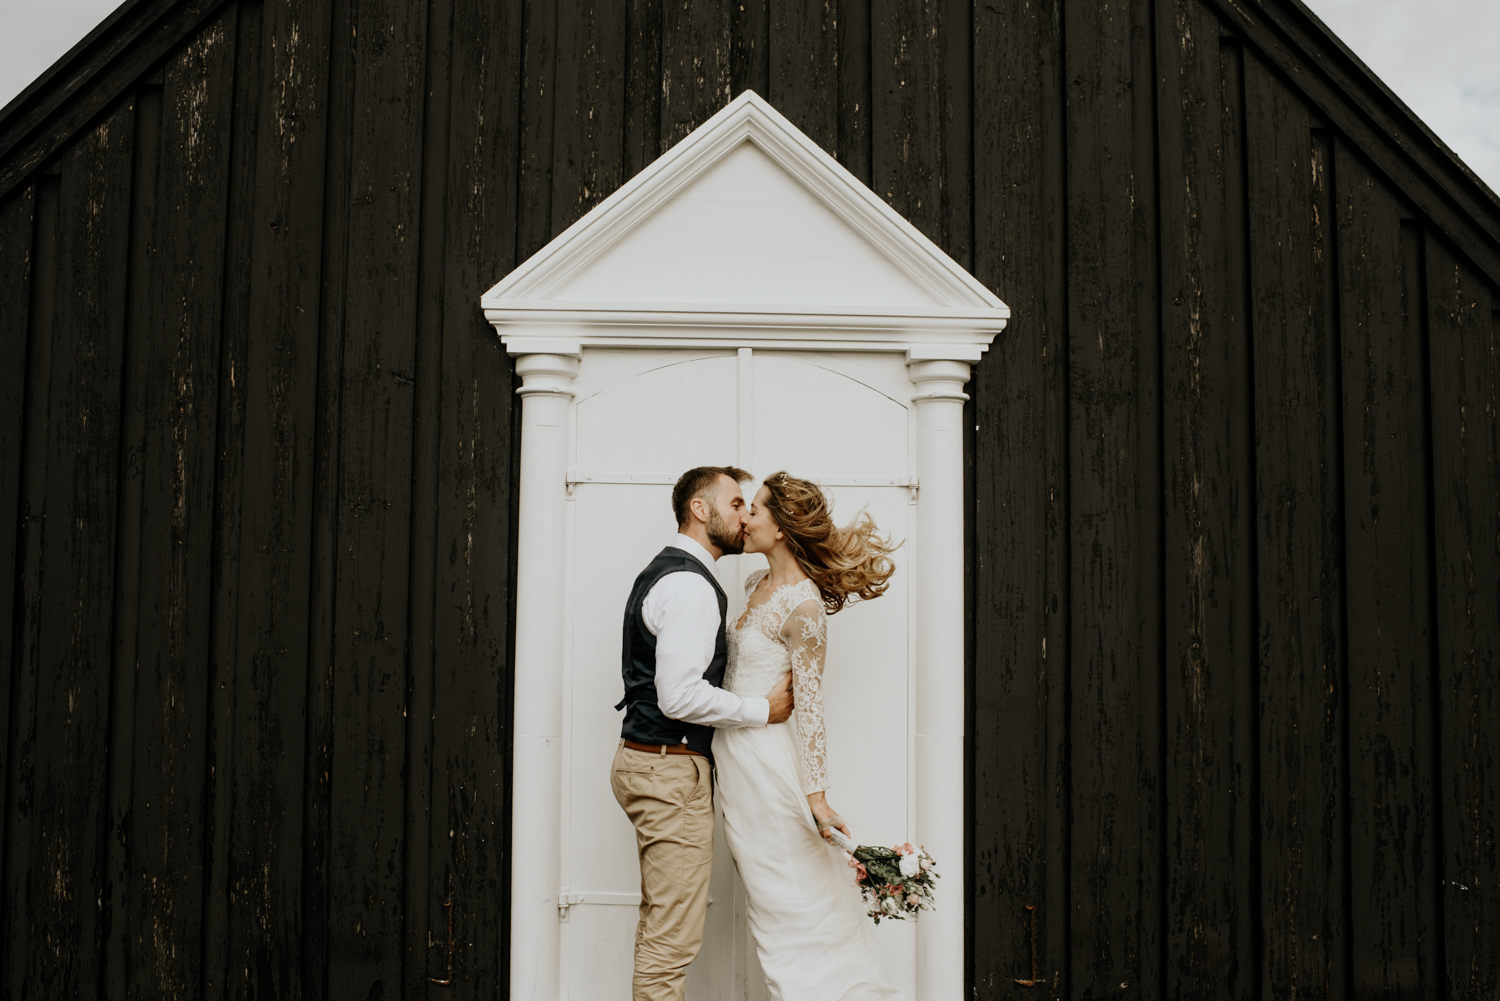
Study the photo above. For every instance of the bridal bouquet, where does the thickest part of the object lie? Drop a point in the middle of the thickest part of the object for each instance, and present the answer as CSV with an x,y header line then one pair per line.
x,y
895,881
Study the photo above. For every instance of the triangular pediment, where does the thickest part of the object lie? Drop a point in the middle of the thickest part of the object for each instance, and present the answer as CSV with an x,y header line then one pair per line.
x,y
742,231
745,217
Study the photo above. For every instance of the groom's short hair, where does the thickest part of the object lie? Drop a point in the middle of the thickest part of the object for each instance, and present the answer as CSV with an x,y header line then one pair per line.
x,y
699,482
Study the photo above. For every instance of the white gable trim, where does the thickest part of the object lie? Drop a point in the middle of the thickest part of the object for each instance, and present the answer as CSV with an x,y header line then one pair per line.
x,y
967,313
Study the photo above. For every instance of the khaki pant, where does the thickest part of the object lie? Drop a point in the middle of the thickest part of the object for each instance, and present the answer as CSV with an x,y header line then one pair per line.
x,y
669,799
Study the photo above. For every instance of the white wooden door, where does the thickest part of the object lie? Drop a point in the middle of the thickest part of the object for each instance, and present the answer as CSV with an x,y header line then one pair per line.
x,y
640,418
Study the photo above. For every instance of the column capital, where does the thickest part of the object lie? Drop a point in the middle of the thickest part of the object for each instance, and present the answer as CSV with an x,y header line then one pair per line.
x,y
938,379
550,373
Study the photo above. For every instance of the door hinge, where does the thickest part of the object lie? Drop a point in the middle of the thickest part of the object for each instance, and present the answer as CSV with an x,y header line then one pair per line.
x,y
566,899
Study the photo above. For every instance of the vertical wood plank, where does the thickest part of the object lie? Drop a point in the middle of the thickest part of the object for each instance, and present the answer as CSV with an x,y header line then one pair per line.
x,y
804,72
71,646
20,814
907,111
1300,574
1114,502
696,58
17,216
172,657
474,511
642,85
372,524
1464,352
241,229
920,120
1393,854
1207,530
1247,740
589,123
268,940
1019,524
116,931
322,900
954,46
539,30
854,95
750,57
417,911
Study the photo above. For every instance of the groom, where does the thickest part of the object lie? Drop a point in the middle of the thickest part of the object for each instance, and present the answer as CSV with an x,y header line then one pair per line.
x,y
673,658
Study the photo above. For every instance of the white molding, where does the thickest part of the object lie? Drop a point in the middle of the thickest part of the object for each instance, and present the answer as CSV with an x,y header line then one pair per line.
x,y
943,352
525,331
519,345
813,339
965,312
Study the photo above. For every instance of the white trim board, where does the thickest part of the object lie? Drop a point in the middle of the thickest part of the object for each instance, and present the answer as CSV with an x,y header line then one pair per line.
x,y
870,280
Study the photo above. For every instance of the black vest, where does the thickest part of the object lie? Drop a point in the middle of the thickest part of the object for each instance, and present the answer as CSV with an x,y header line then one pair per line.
x,y
644,721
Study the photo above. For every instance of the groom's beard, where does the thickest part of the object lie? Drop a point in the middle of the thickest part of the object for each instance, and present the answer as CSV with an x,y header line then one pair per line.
x,y
731,542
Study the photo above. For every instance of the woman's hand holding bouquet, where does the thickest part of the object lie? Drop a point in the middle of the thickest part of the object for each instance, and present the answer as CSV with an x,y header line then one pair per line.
x,y
828,821
895,881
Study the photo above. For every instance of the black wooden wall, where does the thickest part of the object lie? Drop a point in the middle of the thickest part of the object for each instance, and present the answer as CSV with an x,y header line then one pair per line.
x,y
1234,480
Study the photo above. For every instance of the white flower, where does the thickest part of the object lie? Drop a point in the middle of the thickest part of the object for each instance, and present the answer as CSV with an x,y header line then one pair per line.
x,y
910,865
890,905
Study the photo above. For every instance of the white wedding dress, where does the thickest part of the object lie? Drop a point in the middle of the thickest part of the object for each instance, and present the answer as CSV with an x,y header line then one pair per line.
x,y
813,938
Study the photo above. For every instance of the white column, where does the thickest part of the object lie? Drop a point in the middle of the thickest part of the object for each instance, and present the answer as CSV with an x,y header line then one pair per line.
x,y
939,374
536,815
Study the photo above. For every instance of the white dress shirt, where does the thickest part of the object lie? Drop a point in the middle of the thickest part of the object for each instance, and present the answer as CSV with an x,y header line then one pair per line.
x,y
682,612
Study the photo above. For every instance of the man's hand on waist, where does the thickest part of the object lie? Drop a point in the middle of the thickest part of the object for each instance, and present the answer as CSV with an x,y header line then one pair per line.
x,y
781,700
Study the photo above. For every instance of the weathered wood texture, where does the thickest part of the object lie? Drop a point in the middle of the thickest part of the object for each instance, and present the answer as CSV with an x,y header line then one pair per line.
x,y
1114,498
1019,570
1303,730
1393,750
1463,344
1234,480
1208,630
160,792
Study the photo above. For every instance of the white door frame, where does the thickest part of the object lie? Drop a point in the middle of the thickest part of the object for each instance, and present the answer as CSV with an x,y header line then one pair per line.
x,y
547,337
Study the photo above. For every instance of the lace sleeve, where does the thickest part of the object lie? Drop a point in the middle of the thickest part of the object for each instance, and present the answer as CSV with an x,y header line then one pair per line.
x,y
805,633
753,581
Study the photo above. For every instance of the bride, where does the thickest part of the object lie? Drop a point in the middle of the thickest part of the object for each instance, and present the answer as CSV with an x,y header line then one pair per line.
x,y
811,934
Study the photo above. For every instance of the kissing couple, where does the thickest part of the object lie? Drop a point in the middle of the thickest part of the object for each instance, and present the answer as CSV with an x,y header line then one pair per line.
x,y
743,704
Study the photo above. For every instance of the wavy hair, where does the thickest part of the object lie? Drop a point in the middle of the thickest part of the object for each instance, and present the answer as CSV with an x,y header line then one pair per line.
x,y
848,564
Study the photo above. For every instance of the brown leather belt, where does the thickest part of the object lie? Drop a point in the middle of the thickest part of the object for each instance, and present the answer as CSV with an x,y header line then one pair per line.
x,y
658,748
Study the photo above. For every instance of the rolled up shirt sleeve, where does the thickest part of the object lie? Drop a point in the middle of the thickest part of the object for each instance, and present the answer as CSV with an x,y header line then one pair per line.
x,y
682,611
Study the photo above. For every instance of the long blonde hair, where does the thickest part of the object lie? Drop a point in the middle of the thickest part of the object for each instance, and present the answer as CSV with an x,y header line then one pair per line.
x,y
848,564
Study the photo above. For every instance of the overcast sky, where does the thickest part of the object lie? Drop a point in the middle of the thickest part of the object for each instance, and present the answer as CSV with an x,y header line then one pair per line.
x,y
1439,56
